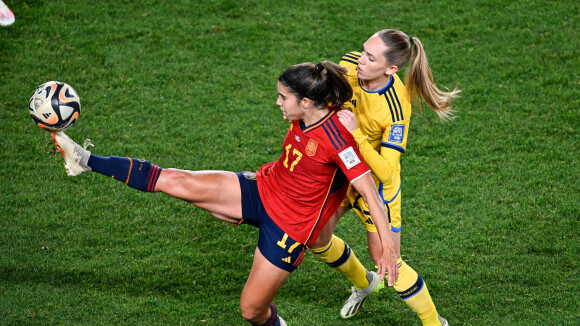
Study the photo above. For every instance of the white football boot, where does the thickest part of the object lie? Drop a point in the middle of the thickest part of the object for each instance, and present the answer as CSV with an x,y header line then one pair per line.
x,y
282,322
358,297
443,321
6,15
76,157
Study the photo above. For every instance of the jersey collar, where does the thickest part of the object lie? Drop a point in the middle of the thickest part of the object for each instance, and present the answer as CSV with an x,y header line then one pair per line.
x,y
315,125
389,84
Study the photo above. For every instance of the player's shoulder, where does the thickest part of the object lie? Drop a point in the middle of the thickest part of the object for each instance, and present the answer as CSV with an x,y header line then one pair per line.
x,y
332,132
398,86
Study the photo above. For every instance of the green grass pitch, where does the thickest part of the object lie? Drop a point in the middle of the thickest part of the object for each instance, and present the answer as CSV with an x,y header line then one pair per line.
x,y
490,199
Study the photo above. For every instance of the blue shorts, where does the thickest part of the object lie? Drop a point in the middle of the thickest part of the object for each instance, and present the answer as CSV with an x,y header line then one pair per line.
x,y
278,247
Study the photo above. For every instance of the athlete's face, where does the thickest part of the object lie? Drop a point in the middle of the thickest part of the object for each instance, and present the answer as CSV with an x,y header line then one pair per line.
x,y
372,64
289,104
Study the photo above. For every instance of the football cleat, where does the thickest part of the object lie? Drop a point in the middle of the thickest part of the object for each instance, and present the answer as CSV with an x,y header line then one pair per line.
x,y
282,322
443,321
358,297
76,158
6,15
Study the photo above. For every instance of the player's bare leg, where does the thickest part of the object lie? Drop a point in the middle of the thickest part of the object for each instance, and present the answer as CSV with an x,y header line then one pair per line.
x,y
215,191
326,234
218,192
261,287
374,243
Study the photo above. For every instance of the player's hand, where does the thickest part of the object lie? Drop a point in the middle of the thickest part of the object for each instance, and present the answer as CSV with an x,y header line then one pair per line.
x,y
388,264
348,120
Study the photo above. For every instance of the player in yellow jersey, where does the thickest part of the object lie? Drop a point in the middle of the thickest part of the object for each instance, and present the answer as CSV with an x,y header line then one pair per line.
x,y
379,122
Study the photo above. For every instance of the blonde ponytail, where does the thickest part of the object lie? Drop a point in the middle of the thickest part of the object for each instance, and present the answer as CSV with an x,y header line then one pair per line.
x,y
419,79
420,85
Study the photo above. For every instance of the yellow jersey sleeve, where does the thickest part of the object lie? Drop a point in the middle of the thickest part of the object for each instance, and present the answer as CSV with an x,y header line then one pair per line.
x,y
383,163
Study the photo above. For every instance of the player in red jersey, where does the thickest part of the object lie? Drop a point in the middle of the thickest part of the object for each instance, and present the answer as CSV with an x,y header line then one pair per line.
x,y
290,199
313,187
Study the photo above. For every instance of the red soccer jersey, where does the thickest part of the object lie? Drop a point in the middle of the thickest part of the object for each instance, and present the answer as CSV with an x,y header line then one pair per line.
x,y
305,186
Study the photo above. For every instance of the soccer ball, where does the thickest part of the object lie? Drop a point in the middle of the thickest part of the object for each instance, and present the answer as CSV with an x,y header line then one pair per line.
x,y
55,106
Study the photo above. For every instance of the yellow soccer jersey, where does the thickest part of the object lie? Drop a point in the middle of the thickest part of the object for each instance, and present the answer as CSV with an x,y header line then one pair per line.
x,y
383,119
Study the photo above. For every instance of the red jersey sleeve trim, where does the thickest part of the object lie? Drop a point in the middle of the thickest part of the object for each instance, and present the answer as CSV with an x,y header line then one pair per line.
x,y
353,180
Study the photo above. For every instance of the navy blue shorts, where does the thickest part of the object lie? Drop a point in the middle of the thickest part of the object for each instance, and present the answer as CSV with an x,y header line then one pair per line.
x,y
278,247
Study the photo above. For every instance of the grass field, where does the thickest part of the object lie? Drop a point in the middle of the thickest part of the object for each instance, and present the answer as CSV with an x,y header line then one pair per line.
x,y
491,200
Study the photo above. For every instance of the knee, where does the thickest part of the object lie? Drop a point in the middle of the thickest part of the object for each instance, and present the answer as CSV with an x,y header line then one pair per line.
x,y
325,235
322,240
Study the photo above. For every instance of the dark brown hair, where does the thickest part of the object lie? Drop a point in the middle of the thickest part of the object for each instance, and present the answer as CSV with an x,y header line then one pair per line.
x,y
325,83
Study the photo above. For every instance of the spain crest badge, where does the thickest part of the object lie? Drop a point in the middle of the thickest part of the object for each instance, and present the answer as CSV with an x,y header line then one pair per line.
x,y
311,147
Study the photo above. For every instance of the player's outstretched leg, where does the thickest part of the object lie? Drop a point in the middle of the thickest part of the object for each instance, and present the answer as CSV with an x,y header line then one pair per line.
x,y
218,192
136,173
358,297
76,158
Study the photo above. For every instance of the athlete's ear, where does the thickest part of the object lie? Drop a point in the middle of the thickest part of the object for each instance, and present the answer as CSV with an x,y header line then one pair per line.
x,y
306,103
391,70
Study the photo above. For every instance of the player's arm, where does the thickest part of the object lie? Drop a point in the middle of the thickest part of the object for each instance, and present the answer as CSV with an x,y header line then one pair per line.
x,y
387,262
381,163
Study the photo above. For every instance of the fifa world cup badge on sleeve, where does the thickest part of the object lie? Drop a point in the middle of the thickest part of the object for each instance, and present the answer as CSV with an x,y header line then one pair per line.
x,y
397,133
349,158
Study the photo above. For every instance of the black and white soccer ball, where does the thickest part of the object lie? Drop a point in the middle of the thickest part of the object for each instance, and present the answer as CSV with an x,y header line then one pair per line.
x,y
55,106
